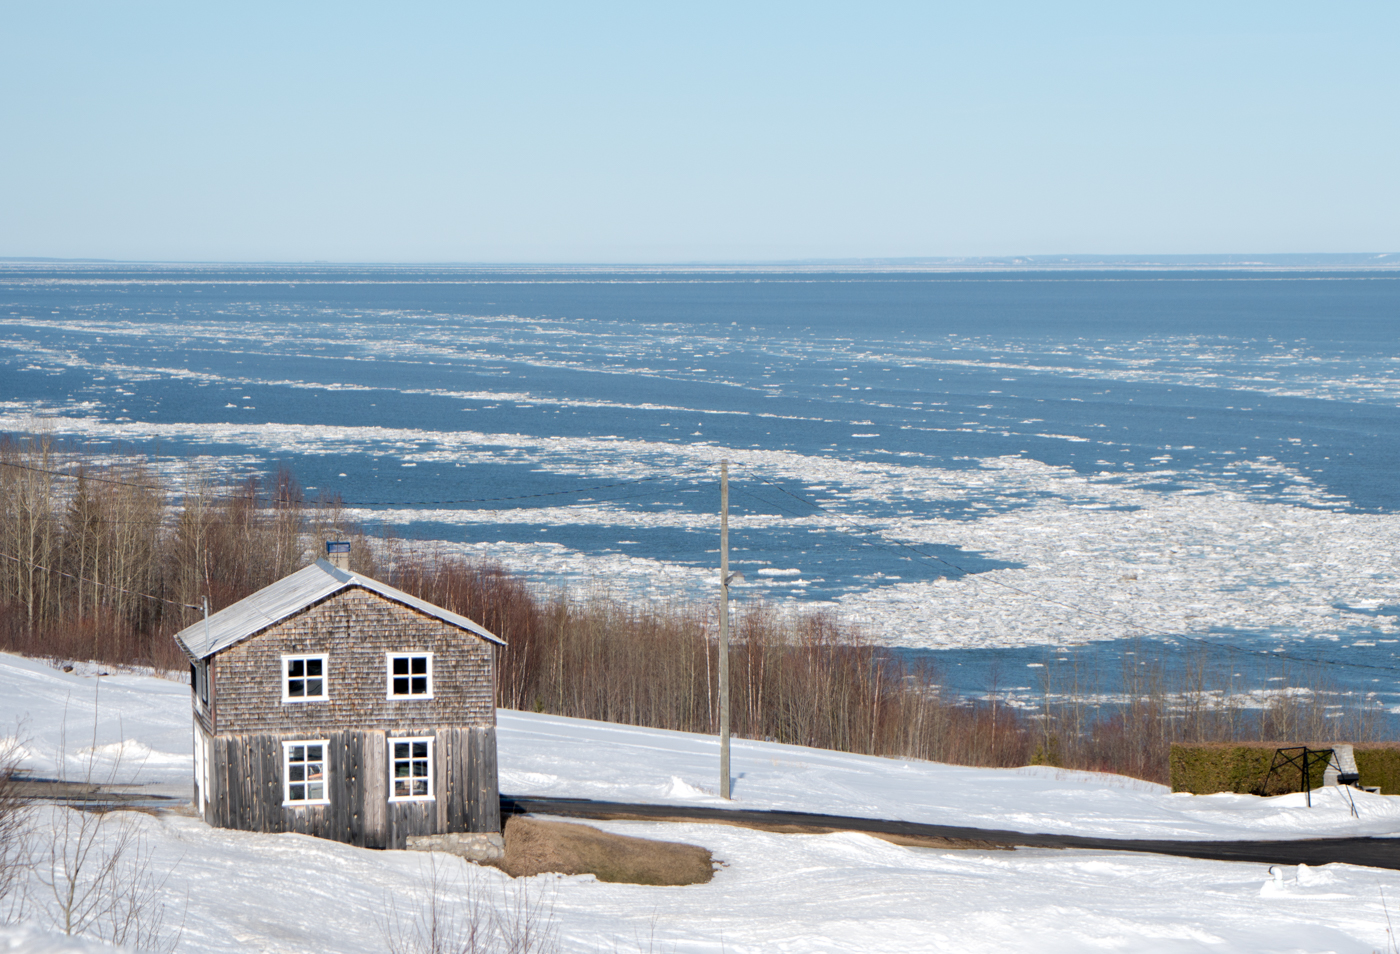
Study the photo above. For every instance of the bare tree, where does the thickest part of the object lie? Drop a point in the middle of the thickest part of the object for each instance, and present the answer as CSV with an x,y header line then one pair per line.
x,y
16,829
98,870
452,911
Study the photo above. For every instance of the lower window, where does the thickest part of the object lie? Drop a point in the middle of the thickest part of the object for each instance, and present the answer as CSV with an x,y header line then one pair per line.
x,y
411,767
304,773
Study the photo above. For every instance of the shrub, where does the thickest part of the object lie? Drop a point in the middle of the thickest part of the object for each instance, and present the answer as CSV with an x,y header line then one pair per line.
x,y
1379,764
1243,767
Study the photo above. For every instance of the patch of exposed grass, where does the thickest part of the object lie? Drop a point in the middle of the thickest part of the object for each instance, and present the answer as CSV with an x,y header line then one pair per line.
x,y
535,847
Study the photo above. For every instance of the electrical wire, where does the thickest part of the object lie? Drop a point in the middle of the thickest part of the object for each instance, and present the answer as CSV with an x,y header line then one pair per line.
x,y
380,503
83,476
112,586
550,493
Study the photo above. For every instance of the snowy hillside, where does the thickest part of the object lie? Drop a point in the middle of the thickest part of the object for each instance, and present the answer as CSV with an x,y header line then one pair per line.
x,y
840,892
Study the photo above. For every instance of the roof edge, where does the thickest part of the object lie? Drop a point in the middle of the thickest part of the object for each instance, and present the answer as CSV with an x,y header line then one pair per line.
x,y
412,602
335,581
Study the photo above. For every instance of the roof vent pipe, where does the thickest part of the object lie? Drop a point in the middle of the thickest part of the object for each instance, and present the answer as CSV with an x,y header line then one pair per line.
x,y
338,552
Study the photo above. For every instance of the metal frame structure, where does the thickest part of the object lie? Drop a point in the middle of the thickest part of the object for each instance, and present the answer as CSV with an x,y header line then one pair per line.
x,y
1303,759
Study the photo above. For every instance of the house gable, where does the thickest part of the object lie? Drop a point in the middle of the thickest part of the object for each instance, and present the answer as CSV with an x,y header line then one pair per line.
x,y
293,594
357,631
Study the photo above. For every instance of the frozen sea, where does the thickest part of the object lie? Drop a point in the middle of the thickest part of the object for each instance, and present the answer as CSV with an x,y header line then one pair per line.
x,y
1019,475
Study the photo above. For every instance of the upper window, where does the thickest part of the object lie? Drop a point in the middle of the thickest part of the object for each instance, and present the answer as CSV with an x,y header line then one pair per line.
x,y
412,761
304,773
303,678
410,675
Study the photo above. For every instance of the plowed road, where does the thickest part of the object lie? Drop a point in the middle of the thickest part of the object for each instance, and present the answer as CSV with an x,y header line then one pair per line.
x,y
1372,852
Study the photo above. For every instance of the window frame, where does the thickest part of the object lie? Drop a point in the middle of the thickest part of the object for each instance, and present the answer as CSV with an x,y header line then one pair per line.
x,y
389,676
431,777
288,659
287,800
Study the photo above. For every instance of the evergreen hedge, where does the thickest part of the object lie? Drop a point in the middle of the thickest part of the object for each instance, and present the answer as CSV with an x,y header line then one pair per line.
x,y
1208,767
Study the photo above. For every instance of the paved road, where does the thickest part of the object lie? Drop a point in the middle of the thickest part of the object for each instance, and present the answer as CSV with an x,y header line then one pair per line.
x,y
1372,852
90,796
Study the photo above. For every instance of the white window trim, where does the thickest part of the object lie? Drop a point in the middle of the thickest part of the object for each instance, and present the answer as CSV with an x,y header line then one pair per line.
x,y
432,773
389,676
325,677
325,773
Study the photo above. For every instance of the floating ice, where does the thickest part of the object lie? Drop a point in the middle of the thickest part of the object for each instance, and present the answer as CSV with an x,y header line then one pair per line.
x,y
1100,557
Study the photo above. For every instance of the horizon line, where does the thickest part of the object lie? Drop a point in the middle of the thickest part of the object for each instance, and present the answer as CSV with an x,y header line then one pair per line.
x,y
1066,261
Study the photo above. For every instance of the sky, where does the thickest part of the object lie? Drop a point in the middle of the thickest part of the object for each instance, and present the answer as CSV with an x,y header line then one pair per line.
x,y
616,132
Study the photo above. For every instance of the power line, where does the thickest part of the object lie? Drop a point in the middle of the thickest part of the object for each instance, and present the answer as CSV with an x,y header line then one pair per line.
x,y
374,503
112,586
111,522
980,578
82,476
549,493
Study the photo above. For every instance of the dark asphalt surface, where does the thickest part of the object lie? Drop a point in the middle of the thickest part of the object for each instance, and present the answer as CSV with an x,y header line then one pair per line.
x,y
1371,852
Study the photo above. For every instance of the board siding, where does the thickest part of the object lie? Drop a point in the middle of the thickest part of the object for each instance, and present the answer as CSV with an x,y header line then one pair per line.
x,y
247,789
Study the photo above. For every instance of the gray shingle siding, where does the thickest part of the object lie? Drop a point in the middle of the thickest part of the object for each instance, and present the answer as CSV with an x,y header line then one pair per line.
x,y
355,629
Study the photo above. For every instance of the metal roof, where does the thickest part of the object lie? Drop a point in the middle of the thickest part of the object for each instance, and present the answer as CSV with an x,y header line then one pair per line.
x,y
290,595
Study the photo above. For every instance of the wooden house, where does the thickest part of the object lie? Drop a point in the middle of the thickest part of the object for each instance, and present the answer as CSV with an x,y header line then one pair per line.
x,y
332,704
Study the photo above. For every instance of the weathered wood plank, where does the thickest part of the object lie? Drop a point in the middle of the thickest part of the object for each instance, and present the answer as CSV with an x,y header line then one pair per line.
x,y
488,788
342,768
248,796
254,755
374,792
218,782
273,793
459,772
233,759
473,772
229,755
476,771
441,752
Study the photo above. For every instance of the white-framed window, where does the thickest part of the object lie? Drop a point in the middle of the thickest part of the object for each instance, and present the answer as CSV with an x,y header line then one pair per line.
x,y
304,776
410,675
304,678
410,769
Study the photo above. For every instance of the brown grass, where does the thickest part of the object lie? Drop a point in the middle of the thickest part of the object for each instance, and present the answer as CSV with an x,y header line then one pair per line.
x,y
535,847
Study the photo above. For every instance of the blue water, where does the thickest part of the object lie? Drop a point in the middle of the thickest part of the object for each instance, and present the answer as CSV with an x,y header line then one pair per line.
x,y
571,423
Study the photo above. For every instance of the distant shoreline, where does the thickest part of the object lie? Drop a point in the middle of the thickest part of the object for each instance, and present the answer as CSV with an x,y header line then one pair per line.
x,y
1290,262
1376,266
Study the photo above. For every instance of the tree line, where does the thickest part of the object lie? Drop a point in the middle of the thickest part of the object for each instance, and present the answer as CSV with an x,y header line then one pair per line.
x,y
107,558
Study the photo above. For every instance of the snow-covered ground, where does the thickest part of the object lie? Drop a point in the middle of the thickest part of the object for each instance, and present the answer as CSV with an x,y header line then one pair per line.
x,y
792,893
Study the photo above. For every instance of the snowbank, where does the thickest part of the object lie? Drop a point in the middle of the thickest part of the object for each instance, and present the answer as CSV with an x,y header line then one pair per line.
x,y
239,892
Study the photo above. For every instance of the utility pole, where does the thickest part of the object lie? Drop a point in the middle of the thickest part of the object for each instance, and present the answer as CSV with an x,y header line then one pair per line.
x,y
724,629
